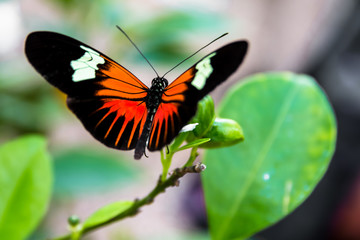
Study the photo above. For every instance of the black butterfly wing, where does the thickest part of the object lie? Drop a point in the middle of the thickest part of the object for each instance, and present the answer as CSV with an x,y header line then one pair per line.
x,y
180,98
106,97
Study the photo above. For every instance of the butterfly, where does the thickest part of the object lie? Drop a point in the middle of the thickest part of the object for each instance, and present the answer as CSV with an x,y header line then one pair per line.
x,y
115,106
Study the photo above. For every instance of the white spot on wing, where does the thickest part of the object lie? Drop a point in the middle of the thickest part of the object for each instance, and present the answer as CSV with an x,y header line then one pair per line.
x,y
204,70
85,67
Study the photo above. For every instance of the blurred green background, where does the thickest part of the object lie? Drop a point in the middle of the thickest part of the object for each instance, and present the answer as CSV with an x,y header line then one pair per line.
x,y
317,37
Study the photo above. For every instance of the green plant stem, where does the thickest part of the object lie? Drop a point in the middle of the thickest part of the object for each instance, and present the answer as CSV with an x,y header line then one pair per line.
x,y
192,157
160,187
166,162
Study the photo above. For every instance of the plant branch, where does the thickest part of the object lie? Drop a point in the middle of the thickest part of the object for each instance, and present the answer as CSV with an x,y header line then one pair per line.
x,y
160,187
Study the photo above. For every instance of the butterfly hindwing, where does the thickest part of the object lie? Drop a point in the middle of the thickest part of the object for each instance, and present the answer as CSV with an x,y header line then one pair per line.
x,y
180,98
106,97
117,123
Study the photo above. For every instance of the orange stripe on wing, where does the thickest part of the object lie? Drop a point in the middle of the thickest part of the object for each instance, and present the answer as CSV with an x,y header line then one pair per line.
x,y
173,98
130,110
164,113
116,71
174,92
120,89
112,108
119,94
112,124
187,76
158,133
140,116
153,128
121,131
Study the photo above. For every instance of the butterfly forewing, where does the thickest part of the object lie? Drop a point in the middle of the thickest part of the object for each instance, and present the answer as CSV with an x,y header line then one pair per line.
x,y
180,98
106,97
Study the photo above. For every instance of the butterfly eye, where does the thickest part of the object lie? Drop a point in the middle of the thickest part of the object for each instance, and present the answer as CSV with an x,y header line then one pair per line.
x,y
164,82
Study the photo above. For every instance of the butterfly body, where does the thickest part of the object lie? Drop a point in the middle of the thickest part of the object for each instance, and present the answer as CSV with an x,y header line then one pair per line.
x,y
153,100
114,105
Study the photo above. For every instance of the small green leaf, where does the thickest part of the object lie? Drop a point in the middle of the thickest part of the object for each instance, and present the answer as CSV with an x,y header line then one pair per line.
x,y
107,213
224,133
205,116
204,119
194,143
25,186
290,133
178,141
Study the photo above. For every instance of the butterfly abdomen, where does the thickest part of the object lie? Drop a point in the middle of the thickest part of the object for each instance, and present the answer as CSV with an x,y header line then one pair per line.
x,y
142,142
153,101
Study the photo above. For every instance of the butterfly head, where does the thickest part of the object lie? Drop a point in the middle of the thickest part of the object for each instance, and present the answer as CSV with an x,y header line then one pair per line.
x,y
159,83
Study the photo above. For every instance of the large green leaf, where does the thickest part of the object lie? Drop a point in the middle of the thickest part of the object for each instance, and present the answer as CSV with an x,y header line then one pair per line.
x,y
290,134
25,186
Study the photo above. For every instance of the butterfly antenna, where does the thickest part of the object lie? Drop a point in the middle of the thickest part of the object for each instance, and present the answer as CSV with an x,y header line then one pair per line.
x,y
195,53
137,49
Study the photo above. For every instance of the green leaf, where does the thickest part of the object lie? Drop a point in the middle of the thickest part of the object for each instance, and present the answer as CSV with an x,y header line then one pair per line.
x,y
205,116
178,141
25,186
84,170
194,143
290,132
107,213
